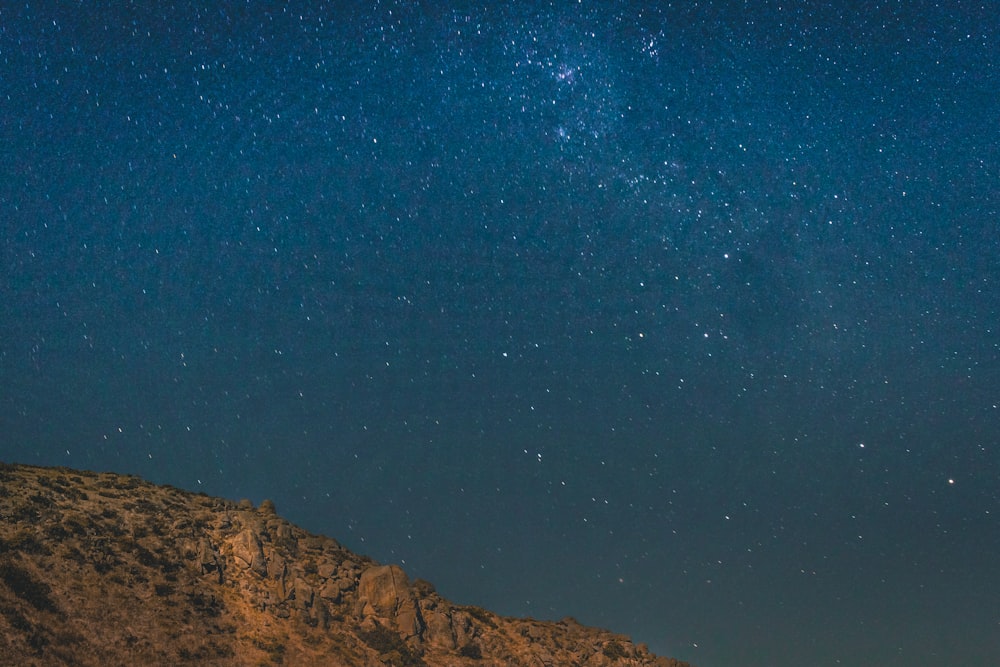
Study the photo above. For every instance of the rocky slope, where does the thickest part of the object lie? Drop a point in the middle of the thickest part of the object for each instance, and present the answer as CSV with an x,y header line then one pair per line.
x,y
105,569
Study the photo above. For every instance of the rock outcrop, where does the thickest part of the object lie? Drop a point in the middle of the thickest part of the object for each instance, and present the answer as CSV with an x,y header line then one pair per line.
x,y
100,569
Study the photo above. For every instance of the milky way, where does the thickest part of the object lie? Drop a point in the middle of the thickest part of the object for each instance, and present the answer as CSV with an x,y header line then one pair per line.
x,y
680,321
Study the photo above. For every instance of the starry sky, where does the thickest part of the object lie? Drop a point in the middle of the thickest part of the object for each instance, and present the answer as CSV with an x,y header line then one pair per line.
x,y
676,318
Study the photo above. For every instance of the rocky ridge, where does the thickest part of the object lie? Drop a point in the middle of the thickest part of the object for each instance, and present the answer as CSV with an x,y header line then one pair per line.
x,y
106,569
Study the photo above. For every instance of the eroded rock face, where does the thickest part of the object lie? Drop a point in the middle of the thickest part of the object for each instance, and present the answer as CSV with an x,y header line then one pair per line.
x,y
384,594
109,569
208,559
247,550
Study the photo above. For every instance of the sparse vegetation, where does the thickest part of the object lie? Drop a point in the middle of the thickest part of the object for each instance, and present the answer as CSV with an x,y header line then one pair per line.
x,y
40,500
73,554
24,586
422,587
205,605
275,649
390,646
125,482
614,650
16,618
24,542
471,650
56,532
75,526
480,615
149,589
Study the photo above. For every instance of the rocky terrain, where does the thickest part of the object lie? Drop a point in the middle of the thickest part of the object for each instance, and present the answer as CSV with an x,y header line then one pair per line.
x,y
105,569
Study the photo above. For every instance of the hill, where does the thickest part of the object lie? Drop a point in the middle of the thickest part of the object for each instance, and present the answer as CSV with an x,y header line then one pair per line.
x,y
105,569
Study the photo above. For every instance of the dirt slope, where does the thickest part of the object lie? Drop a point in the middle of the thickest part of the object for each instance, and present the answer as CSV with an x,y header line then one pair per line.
x,y
105,569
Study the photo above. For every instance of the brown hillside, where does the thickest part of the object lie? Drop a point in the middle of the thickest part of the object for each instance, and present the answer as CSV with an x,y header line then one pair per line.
x,y
105,569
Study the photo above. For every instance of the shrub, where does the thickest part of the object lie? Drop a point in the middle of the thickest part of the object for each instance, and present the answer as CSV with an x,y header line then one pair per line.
x,y
614,650
470,650
387,642
24,586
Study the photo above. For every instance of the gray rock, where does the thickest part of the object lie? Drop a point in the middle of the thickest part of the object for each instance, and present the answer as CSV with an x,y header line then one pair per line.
x,y
303,594
248,552
208,560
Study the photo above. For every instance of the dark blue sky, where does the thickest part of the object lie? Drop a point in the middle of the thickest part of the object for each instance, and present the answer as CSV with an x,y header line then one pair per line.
x,y
679,320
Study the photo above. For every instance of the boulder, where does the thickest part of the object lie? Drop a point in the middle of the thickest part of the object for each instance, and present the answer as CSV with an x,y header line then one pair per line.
x,y
384,593
303,594
331,591
248,552
439,630
208,560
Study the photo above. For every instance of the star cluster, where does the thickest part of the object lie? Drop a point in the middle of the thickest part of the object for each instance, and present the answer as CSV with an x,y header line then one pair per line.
x,y
679,320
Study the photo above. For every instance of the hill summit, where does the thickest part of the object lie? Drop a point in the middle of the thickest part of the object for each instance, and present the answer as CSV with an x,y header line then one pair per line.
x,y
100,569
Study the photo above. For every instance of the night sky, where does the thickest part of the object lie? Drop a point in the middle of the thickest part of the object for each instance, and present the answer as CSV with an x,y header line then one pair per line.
x,y
680,320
